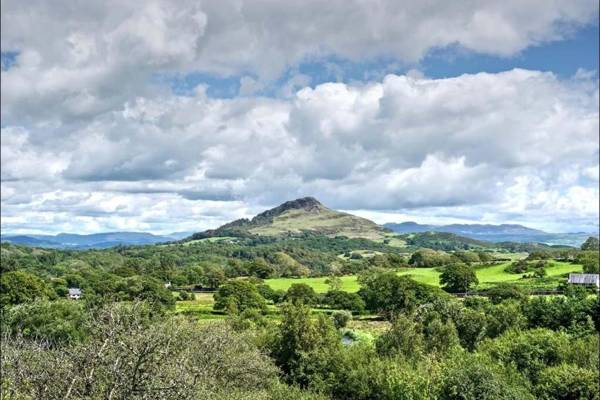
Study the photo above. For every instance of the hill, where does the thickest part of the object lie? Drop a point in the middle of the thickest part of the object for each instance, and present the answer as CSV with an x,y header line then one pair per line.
x,y
494,233
93,241
305,215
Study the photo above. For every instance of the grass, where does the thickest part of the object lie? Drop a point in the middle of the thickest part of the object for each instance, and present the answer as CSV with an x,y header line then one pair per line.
x,y
212,240
202,306
487,276
326,221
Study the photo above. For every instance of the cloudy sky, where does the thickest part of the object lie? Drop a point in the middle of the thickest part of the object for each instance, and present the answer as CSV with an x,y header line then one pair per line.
x,y
166,116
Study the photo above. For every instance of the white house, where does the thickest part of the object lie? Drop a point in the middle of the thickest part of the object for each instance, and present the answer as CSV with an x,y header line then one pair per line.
x,y
584,279
74,293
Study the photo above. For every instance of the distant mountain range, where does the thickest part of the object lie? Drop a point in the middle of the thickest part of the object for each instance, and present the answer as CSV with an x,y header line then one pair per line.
x,y
307,215
93,241
495,233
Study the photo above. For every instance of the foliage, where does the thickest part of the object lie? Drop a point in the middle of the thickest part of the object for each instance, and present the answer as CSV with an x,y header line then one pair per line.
x,y
301,293
474,376
458,278
18,287
591,243
471,326
235,296
390,294
404,338
303,343
54,322
341,318
127,357
428,258
567,381
338,299
505,291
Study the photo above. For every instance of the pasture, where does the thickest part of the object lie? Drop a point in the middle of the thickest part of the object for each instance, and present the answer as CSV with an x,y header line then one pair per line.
x,y
487,276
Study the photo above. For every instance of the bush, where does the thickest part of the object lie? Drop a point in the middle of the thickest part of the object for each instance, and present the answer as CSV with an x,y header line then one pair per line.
x,y
471,326
505,291
403,338
341,318
338,299
58,322
567,381
474,376
18,287
529,351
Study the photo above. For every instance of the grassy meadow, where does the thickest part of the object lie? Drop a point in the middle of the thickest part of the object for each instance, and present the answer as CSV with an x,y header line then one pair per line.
x,y
487,277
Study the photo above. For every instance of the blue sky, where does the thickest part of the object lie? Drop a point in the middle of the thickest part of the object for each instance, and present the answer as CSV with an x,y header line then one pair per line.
x,y
161,117
577,52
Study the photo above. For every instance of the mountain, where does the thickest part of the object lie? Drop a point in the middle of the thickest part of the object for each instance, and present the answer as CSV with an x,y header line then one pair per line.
x,y
495,233
299,216
93,241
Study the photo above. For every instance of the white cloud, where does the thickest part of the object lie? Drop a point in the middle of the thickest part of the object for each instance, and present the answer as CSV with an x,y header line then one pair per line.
x,y
78,59
92,139
518,144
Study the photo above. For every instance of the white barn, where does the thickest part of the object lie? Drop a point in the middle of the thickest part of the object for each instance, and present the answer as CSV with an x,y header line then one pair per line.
x,y
74,293
584,279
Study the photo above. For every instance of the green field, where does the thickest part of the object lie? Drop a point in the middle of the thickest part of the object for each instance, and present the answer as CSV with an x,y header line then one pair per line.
x,y
430,276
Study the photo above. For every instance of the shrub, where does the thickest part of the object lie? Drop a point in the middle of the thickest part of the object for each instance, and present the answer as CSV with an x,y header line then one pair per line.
x,y
341,318
567,381
474,376
344,301
505,291
403,338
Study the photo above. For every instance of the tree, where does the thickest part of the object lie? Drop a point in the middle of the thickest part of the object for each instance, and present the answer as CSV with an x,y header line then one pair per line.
x,y
334,282
341,318
591,243
145,288
468,376
301,293
304,346
345,301
427,258
57,322
403,338
235,296
458,278
213,277
505,291
129,357
440,336
391,294
261,269
567,381
18,287
471,326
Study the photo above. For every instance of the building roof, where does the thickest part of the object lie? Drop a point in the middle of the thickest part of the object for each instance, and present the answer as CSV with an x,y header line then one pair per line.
x,y
585,279
74,292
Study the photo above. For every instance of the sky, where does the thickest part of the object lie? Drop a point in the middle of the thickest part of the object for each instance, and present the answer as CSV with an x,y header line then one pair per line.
x,y
165,116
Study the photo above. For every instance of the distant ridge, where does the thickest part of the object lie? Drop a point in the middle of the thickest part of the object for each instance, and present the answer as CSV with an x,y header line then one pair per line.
x,y
92,241
303,215
494,233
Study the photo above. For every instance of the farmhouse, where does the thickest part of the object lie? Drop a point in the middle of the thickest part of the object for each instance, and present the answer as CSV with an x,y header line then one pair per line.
x,y
74,293
584,279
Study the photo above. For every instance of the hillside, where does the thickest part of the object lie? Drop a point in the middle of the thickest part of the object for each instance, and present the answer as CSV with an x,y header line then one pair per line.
x,y
305,215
